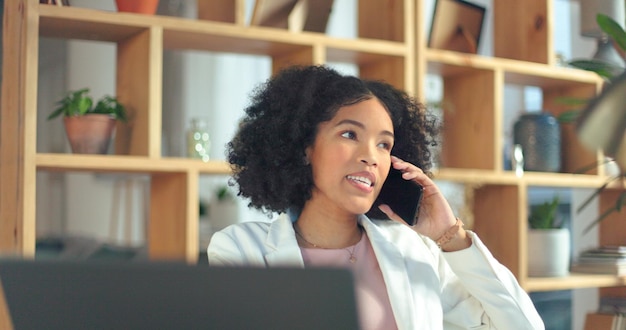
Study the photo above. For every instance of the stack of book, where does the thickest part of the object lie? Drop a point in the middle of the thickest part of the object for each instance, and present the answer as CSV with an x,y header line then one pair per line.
x,y
602,260
612,305
610,315
600,321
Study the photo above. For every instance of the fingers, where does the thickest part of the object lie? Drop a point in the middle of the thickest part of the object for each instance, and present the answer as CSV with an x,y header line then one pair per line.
x,y
409,171
403,166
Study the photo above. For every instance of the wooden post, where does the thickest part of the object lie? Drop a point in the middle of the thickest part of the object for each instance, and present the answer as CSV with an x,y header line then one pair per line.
x,y
18,118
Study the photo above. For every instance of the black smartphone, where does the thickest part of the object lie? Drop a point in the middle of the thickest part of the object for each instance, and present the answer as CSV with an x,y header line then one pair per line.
x,y
403,196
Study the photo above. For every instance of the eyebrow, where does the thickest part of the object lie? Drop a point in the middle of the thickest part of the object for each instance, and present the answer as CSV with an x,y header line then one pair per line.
x,y
359,124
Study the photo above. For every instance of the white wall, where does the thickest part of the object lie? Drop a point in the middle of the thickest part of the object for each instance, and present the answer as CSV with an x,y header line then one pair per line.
x,y
50,136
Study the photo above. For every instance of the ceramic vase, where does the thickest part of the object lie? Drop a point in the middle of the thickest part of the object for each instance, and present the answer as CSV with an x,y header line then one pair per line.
x,y
539,135
548,252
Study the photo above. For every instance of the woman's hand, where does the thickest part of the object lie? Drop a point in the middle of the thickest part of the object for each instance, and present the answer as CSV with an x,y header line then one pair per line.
x,y
435,215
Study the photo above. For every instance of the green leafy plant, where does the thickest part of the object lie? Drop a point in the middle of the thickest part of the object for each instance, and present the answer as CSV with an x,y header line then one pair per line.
x,y
608,71
203,208
80,103
544,216
223,193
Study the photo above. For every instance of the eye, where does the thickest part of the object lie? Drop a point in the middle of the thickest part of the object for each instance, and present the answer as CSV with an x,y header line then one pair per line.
x,y
349,135
386,145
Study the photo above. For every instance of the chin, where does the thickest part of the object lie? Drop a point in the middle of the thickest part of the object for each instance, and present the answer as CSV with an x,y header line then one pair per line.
x,y
363,210
360,206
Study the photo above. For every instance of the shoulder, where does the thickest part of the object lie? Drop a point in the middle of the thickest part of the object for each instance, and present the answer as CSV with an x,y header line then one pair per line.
x,y
242,232
254,227
253,234
238,244
249,243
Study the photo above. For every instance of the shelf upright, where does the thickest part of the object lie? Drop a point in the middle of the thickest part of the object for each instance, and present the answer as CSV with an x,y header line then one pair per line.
x,y
18,122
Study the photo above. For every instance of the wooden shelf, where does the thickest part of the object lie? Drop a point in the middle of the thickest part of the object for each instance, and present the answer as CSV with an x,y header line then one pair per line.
x,y
127,164
88,24
187,34
284,47
540,179
146,165
449,63
573,281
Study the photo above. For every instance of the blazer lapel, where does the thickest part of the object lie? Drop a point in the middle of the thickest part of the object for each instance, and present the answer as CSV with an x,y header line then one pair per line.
x,y
395,275
282,247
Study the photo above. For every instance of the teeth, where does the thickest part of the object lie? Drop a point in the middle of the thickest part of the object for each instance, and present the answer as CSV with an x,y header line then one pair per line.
x,y
361,179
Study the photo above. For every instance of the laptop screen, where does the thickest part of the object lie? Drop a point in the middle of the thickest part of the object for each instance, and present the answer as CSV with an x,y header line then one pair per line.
x,y
107,295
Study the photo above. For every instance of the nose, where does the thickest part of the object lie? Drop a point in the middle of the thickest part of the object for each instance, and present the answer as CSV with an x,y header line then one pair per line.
x,y
368,156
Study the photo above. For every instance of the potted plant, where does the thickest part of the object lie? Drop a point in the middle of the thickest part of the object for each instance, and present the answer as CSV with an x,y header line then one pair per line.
x,y
605,70
609,72
89,128
548,241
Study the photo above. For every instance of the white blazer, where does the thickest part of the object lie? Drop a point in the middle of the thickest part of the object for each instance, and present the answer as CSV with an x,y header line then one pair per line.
x,y
427,288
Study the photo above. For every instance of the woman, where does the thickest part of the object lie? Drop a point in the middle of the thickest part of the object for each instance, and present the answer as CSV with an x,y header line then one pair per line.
x,y
320,145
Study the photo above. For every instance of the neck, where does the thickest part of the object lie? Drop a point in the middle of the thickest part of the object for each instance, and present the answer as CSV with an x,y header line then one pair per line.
x,y
325,231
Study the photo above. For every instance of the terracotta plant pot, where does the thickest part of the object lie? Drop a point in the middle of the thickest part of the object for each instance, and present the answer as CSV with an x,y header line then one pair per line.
x,y
89,134
137,6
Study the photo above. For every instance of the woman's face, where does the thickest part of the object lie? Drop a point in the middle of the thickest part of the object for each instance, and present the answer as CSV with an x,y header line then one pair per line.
x,y
350,157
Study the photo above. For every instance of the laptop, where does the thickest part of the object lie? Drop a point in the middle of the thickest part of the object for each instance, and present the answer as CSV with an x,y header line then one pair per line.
x,y
153,295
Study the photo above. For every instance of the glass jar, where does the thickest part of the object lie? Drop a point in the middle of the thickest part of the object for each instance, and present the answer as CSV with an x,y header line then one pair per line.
x,y
198,141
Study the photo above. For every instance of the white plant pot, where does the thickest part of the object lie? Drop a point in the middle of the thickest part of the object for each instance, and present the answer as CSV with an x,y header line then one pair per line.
x,y
548,252
223,214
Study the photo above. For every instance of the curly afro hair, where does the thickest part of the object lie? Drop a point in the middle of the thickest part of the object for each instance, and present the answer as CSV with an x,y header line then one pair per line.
x,y
267,154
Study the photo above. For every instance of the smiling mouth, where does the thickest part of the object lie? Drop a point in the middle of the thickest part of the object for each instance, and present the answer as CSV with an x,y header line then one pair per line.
x,y
360,180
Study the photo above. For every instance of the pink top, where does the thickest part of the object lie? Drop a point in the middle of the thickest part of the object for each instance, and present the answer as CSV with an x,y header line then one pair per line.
x,y
373,303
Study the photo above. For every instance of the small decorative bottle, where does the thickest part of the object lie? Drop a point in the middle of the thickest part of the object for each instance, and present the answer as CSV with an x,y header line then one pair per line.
x,y
198,141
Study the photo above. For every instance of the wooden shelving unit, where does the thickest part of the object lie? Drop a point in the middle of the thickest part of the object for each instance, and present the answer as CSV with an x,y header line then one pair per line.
x,y
383,51
393,49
